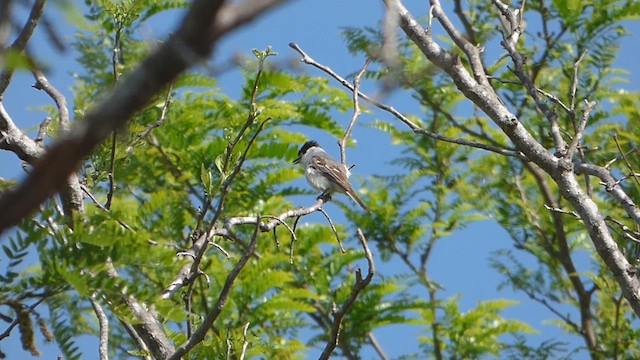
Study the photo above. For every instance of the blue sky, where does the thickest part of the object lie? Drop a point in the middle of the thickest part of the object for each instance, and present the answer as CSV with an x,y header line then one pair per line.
x,y
460,262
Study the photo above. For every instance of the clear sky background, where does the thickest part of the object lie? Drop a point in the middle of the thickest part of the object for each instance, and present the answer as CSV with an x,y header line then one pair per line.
x,y
460,263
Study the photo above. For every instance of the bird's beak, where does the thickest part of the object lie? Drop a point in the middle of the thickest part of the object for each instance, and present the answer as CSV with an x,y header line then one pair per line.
x,y
296,160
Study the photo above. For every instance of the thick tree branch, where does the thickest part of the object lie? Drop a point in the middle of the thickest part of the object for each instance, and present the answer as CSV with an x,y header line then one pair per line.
x,y
147,327
471,50
612,186
561,170
14,140
203,25
71,194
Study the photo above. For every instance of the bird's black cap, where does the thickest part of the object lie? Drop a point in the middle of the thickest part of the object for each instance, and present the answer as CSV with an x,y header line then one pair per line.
x,y
306,146
309,144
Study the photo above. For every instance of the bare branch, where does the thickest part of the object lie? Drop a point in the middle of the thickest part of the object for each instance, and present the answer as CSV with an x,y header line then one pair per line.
x,y
509,43
5,26
61,102
356,112
14,140
147,327
203,25
161,120
71,194
560,169
208,321
101,207
245,343
333,228
357,288
574,85
376,346
612,187
556,101
21,41
561,211
468,28
220,248
42,130
577,137
471,50
626,161
188,271
103,322
390,109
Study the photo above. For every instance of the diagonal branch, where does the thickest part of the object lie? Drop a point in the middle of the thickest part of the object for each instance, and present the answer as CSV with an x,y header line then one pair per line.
x,y
193,41
356,111
577,138
390,109
202,330
21,41
189,271
103,321
357,288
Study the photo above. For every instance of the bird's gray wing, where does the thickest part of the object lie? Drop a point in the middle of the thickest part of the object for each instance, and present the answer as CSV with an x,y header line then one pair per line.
x,y
330,169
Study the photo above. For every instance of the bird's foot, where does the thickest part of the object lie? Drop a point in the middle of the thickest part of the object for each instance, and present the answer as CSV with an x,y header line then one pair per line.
x,y
325,197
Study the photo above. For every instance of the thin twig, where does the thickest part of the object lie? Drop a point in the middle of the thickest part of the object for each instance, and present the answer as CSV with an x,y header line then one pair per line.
x,y
612,187
376,346
42,129
557,101
147,325
161,120
115,62
101,207
390,109
229,345
356,112
472,52
293,234
186,273
293,239
208,321
251,118
574,85
333,228
589,105
633,235
561,211
510,38
357,288
220,248
618,157
245,342
626,161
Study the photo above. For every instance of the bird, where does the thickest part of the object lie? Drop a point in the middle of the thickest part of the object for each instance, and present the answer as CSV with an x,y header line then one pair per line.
x,y
325,174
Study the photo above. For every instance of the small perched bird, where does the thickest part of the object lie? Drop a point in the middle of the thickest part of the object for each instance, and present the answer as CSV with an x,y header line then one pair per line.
x,y
325,174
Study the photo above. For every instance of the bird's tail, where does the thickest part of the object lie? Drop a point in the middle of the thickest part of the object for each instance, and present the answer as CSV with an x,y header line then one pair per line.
x,y
355,198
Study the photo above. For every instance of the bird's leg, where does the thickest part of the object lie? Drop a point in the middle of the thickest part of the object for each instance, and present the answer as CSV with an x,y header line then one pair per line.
x,y
324,196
